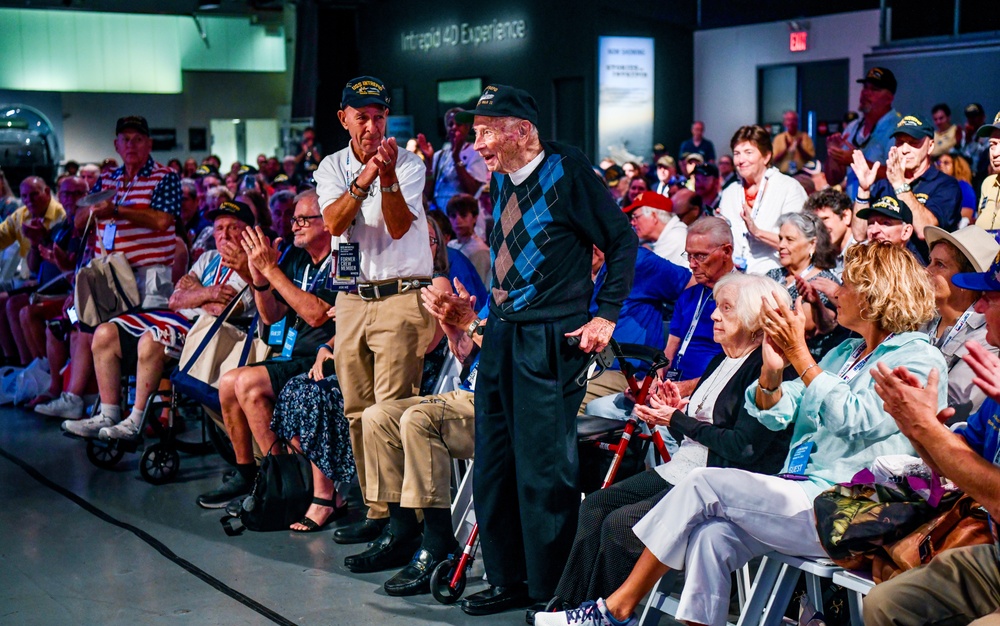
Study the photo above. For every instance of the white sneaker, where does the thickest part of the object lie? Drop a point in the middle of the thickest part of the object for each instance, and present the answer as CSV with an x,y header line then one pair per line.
x,y
89,427
588,614
128,428
67,406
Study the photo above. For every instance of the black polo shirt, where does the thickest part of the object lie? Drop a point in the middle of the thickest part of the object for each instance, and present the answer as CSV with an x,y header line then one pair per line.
x,y
938,192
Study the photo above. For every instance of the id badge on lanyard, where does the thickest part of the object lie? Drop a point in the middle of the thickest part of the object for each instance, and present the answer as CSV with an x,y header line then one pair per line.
x,y
348,267
286,350
109,236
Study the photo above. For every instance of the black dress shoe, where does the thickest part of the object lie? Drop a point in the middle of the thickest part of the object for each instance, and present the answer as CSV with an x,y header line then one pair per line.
x,y
386,552
362,532
497,599
415,578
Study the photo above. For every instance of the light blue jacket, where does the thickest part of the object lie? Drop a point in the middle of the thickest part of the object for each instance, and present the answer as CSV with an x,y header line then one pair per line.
x,y
845,419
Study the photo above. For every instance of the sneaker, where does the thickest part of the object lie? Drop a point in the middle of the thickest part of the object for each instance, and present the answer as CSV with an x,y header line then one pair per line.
x,y
234,487
88,428
128,428
67,406
589,613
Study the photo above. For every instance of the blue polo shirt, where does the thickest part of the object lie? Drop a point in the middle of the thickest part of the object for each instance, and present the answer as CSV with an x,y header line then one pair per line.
x,y
938,192
657,282
982,431
702,347
875,146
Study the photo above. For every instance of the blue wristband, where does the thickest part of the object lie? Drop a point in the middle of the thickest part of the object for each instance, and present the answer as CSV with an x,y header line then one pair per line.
x,y
321,346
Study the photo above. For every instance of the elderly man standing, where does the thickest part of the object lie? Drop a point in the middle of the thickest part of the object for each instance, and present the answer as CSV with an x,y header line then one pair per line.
x,y
370,195
550,211
792,148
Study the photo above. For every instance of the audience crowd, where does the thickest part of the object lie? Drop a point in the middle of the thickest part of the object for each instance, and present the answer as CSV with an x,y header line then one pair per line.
x,y
817,314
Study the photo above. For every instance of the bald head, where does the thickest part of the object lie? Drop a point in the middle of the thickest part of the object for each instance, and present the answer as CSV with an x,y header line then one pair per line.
x,y
683,204
71,189
35,195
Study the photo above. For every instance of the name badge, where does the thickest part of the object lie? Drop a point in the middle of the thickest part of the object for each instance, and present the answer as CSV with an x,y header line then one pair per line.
x,y
109,236
800,458
349,261
286,350
673,374
277,333
469,384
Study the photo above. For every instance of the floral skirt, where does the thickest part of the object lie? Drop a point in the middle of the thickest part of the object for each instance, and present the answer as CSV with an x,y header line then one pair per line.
x,y
314,412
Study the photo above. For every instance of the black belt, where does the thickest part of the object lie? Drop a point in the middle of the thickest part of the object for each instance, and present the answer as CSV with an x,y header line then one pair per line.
x,y
385,288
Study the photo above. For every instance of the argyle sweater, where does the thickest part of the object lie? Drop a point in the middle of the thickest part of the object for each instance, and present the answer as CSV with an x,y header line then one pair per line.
x,y
541,243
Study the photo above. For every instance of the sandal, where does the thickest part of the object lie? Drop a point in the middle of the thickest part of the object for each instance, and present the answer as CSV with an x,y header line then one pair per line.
x,y
312,526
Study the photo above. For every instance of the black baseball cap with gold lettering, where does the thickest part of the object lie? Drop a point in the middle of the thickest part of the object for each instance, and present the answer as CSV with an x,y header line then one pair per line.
x,y
914,127
364,90
502,101
132,122
234,208
889,207
880,77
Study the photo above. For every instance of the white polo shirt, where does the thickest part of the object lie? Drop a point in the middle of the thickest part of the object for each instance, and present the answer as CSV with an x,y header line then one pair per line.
x,y
382,257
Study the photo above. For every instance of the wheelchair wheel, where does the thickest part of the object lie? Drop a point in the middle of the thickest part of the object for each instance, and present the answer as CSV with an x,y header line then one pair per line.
x,y
441,587
159,464
104,456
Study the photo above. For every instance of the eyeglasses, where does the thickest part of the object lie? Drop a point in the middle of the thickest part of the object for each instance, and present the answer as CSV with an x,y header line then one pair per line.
x,y
303,220
699,257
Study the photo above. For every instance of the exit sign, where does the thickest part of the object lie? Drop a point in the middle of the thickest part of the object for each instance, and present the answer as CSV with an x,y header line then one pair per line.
x,y
798,41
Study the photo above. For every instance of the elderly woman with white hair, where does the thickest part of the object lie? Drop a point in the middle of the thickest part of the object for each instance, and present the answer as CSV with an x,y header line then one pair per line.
x,y
716,519
713,427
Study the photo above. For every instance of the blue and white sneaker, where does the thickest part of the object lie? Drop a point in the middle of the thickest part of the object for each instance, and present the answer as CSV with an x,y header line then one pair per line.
x,y
589,613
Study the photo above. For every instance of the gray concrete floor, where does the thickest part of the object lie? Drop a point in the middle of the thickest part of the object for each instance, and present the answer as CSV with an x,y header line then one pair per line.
x,y
60,564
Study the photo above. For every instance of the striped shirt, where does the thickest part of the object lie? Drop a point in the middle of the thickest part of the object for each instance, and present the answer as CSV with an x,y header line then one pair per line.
x,y
155,187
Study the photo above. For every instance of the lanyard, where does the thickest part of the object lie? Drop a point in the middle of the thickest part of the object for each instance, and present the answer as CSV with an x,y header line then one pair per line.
x,y
857,132
806,271
306,284
853,366
694,325
759,200
959,325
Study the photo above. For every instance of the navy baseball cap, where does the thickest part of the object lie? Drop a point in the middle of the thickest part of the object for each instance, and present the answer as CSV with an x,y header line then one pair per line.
x,y
364,90
233,208
707,169
889,207
502,101
914,127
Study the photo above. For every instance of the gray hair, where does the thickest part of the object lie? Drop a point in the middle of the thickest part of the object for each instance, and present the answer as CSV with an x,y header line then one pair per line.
x,y
807,223
189,186
715,228
215,192
662,216
280,196
750,290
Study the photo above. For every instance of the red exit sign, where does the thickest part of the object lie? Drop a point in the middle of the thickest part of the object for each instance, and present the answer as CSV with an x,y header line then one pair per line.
x,y
798,41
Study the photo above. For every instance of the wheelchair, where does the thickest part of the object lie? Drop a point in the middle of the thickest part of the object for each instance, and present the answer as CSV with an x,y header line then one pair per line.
x,y
160,461
449,578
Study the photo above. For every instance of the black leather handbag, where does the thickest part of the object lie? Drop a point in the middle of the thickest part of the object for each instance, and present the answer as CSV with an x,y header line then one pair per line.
x,y
281,493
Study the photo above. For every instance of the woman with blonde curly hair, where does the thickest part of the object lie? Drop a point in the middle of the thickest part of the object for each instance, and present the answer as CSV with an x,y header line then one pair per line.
x,y
716,519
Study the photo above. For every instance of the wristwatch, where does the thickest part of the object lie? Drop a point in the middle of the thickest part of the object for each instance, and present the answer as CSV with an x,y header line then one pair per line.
x,y
473,325
902,188
393,188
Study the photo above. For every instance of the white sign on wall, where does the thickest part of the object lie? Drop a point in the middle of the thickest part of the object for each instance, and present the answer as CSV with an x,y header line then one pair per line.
x,y
625,102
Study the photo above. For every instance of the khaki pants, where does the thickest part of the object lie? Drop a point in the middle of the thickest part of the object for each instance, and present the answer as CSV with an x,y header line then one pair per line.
x,y
379,355
608,383
958,586
409,445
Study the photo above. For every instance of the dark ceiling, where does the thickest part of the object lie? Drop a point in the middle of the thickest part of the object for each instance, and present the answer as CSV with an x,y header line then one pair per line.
x,y
713,13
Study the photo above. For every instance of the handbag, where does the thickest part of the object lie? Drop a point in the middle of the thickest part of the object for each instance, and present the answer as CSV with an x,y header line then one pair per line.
x,y
105,288
280,496
214,346
964,523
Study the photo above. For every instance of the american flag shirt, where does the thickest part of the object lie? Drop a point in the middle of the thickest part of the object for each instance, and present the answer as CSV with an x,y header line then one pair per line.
x,y
155,187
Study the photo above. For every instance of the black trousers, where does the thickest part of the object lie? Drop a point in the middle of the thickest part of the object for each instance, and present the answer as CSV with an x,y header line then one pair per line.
x,y
605,549
525,481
